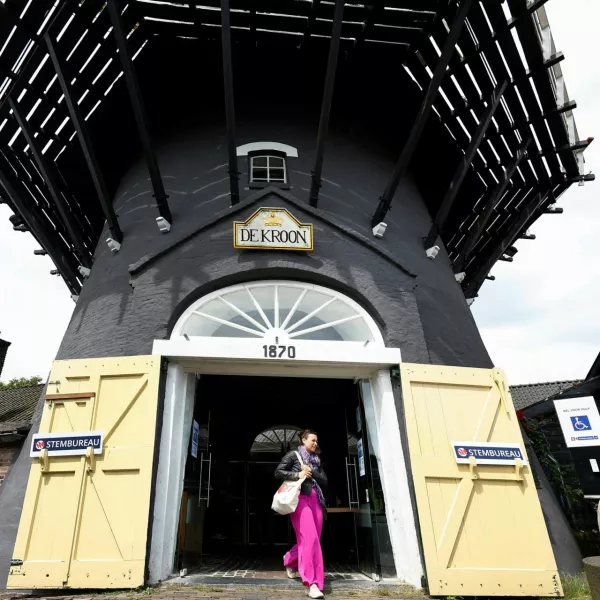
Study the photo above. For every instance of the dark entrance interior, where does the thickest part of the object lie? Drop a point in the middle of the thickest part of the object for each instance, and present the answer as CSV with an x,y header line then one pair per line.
x,y
243,427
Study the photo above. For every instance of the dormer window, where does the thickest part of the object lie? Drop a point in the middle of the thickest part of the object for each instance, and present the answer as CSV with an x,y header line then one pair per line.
x,y
267,169
267,163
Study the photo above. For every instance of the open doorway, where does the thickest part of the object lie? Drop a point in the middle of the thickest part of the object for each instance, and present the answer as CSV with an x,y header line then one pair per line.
x,y
242,426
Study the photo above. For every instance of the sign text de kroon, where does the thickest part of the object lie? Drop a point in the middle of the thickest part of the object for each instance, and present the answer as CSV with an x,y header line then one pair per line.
x,y
273,229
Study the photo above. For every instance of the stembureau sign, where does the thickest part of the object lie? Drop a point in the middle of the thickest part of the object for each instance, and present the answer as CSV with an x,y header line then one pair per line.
x,y
487,453
273,229
66,444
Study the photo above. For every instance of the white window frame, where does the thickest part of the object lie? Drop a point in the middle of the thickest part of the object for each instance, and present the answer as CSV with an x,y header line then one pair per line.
x,y
268,168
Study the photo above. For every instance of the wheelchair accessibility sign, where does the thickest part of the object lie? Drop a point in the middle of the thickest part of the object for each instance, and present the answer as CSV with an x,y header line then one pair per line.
x,y
579,421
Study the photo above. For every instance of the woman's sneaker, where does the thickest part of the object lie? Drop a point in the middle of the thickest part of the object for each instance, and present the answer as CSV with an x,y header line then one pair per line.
x,y
315,592
292,573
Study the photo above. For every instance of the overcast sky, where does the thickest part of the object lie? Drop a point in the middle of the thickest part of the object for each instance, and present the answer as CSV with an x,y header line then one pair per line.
x,y
539,319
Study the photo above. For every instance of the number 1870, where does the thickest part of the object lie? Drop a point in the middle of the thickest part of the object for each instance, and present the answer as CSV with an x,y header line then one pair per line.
x,y
279,351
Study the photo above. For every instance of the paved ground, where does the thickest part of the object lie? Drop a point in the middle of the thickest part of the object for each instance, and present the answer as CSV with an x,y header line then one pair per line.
x,y
257,592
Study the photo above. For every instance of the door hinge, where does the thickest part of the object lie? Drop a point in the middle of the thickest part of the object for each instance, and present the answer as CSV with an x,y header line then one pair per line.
x,y
16,562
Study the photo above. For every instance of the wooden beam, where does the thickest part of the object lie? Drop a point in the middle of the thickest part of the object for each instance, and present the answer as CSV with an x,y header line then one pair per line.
x,y
139,111
479,226
43,232
464,166
414,136
334,47
49,175
229,103
86,145
523,221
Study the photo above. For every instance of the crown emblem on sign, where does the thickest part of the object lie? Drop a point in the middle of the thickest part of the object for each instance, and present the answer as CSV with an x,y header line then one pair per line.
x,y
272,220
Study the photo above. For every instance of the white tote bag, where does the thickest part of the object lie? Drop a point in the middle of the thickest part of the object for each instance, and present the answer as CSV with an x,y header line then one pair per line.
x,y
286,497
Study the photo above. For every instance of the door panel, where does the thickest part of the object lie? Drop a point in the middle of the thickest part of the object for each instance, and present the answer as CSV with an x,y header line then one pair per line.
x,y
362,490
482,526
85,519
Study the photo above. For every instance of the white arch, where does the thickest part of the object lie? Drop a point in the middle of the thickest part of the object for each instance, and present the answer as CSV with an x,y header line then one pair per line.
x,y
290,151
287,310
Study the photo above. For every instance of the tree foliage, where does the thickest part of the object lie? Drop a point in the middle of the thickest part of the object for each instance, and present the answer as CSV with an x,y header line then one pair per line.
x,y
18,382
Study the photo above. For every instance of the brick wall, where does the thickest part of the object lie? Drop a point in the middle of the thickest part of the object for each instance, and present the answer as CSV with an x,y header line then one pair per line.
x,y
8,455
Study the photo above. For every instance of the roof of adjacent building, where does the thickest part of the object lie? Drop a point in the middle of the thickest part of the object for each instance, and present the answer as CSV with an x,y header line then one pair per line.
x,y
531,393
17,406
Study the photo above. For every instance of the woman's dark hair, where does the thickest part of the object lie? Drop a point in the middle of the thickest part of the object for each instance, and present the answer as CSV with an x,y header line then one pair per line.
x,y
305,433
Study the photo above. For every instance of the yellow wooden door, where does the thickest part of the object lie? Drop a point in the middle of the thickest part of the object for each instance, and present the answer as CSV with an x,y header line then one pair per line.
x,y
482,526
85,518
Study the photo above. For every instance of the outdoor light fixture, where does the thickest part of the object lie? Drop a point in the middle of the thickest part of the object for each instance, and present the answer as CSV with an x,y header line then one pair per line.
x,y
113,245
40,252
163,224
379,229
460,277
85,272
432,252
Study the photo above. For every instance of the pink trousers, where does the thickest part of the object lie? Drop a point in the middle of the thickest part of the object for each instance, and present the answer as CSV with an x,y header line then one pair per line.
x,y
306,555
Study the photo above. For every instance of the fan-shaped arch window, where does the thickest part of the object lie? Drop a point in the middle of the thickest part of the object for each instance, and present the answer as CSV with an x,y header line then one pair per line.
x,y
286,309
277,440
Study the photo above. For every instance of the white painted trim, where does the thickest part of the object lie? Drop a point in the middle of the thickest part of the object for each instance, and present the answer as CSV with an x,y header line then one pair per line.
x,y
174,442
394,478
179,328
290,151
246,356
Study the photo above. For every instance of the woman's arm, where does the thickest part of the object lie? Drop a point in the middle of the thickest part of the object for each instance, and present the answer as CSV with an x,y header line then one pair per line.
x,y
284,471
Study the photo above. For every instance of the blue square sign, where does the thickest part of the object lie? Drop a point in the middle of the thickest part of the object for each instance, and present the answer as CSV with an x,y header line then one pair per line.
x,y
581,423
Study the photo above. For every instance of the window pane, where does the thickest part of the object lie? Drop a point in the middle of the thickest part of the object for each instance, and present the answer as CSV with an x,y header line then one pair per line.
x,y
259,161
277,175
259,175
276,161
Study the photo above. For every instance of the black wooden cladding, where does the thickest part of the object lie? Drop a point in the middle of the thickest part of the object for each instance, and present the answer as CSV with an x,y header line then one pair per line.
x,y
473,74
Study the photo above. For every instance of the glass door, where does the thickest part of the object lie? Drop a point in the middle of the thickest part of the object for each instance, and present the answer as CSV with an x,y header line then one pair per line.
x,y
197,489
363,495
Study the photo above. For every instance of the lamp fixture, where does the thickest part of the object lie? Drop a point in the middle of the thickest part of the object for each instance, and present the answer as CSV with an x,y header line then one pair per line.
x,y
432,252
460,277
163,224
113,245
85,272
379,229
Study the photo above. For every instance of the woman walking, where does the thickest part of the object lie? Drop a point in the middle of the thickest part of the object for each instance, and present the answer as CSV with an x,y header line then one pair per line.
x,y
305,559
